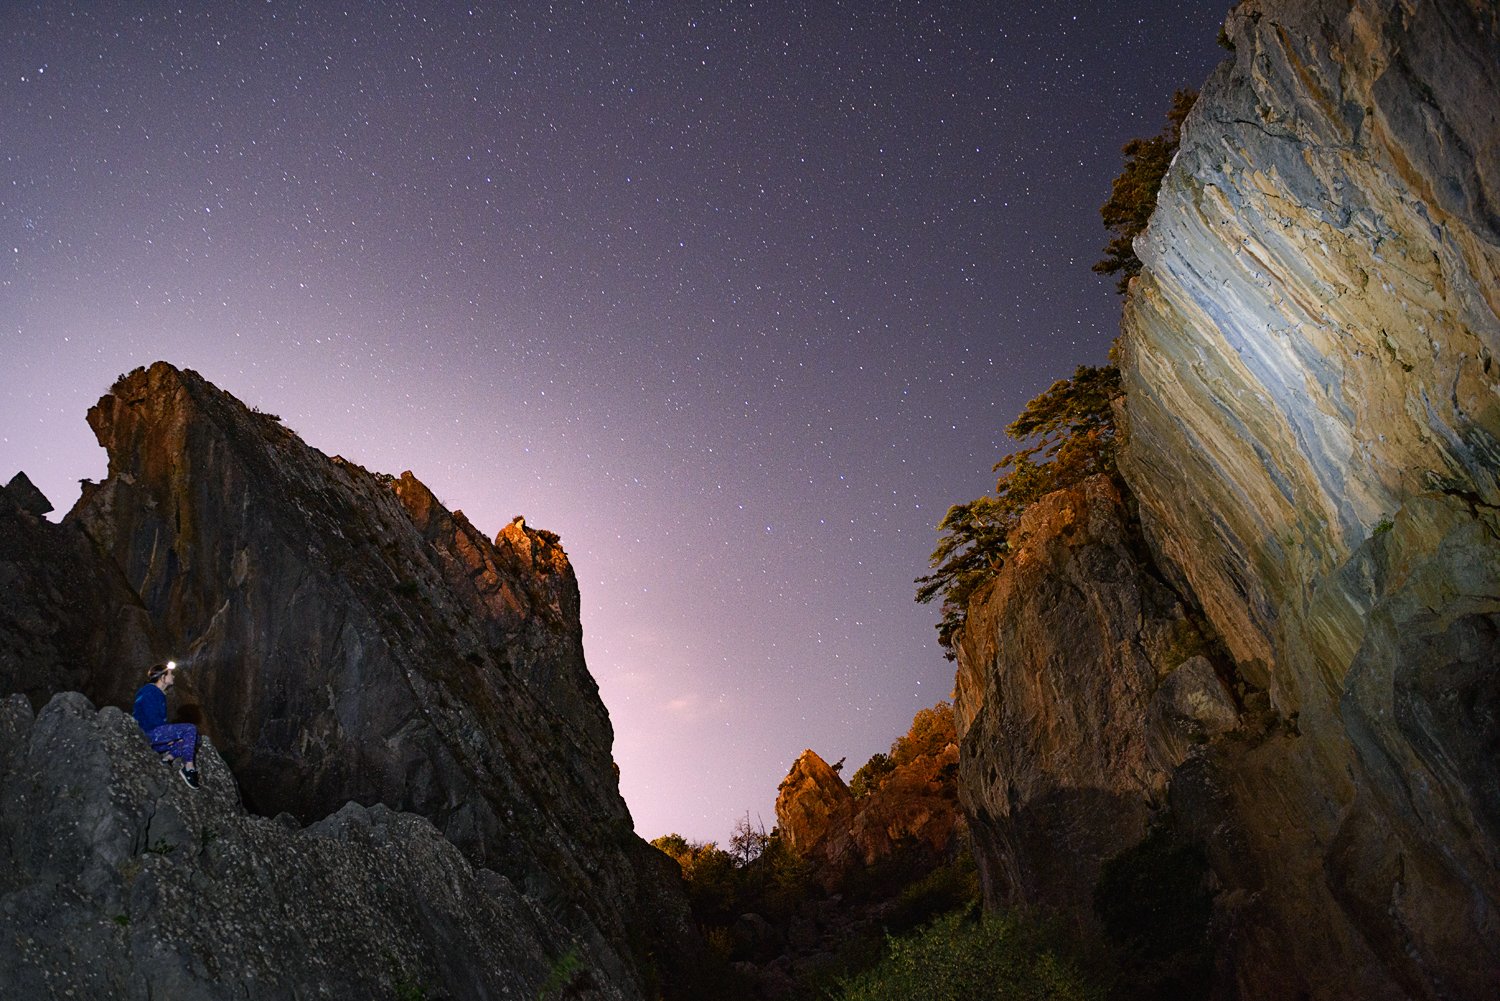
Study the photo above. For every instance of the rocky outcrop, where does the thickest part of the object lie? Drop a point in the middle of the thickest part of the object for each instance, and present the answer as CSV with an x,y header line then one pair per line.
x,y
68,618
813,808
1311,347
1312,431
122,882
344,637
914,807
1082,684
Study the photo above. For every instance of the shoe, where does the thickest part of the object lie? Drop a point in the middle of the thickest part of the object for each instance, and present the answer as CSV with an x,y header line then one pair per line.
x,y
167,759
190,776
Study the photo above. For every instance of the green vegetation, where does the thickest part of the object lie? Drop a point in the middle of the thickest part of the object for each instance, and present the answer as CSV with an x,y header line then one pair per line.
x,y
1132,199
931,731
560,977
1072,430
965,958
870,774
410,990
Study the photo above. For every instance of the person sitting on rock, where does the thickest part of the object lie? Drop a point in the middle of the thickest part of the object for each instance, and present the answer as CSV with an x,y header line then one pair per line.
x,y
173,741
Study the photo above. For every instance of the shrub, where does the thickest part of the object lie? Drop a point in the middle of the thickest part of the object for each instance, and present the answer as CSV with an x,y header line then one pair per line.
x,y
963,958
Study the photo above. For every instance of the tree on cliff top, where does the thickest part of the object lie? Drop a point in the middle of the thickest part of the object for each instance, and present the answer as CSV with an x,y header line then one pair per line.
x,y
1132,199
1072,430
931,730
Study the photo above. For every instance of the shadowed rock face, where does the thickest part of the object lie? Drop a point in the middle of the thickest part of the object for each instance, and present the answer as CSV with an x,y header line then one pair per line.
x,y
345,637
122,882
68,619
1313,411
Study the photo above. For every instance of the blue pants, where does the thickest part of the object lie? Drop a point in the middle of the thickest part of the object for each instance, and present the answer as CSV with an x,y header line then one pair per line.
x,y
180,740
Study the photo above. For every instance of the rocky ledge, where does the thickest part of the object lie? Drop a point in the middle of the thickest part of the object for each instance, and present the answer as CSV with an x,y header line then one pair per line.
x,y
124,883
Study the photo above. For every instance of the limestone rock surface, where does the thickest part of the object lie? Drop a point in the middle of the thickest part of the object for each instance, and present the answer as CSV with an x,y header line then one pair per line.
x,y
1082,684
121,882
1313,433
342,636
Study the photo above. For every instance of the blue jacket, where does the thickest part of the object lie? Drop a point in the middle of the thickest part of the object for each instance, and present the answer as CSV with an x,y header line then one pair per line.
x,y
150,708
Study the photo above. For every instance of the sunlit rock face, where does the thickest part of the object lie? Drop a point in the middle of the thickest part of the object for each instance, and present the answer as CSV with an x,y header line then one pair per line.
x,y
1083,682
915,806
1313,418
345,637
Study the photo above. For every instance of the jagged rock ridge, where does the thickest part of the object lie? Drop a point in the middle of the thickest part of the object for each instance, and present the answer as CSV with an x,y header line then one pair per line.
x,y
914,808
347,638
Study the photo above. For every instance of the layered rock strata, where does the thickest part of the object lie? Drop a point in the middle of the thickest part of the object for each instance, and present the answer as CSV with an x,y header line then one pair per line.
x,y
1312,428
344,637
1311,347
122,882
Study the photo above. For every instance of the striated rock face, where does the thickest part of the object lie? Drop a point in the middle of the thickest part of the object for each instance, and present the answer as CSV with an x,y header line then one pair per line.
x,y
1313,410
344,637
122,882
1082,684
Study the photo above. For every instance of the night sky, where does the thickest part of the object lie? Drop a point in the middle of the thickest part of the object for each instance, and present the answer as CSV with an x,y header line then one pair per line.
x,y
736,298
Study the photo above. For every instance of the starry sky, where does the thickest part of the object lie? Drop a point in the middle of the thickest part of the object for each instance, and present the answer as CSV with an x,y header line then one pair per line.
x,y
737,298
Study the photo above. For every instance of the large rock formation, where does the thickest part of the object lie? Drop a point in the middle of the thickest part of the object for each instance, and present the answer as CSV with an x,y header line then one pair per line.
x,y
1311,348
1082,684
913,808
121,882
1313,435
814,807
344,637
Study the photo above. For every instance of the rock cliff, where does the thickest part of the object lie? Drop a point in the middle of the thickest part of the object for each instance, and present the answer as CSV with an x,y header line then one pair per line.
x,y
344,637
68,618
1312,434
1311,348
1083,683
121,882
